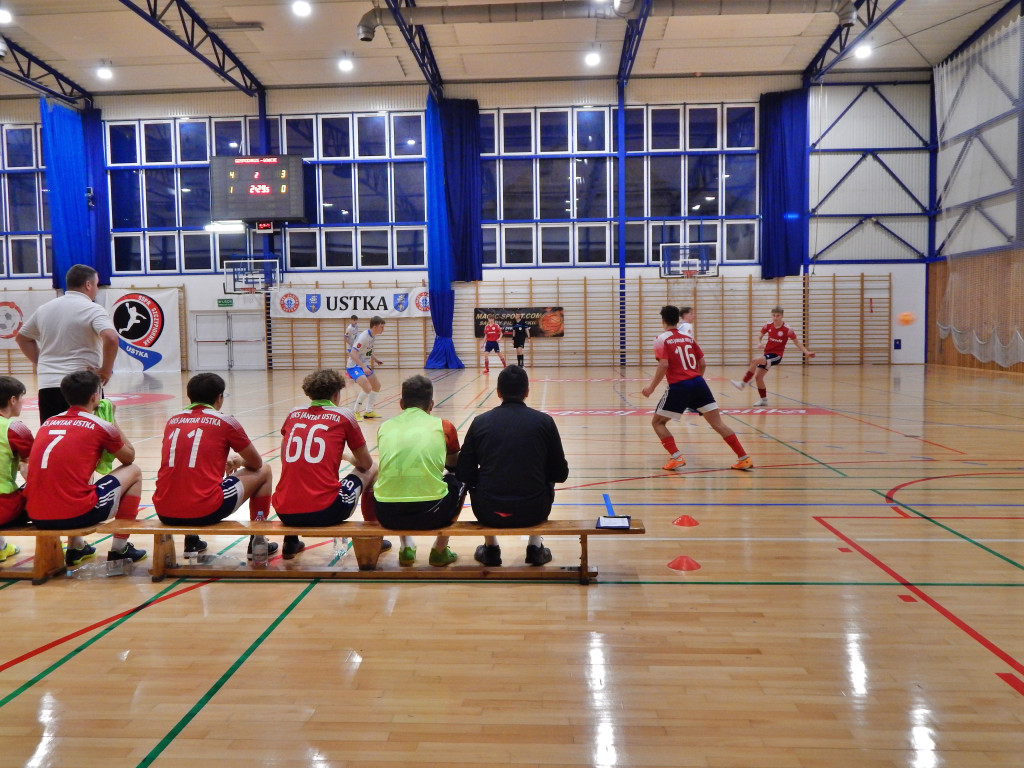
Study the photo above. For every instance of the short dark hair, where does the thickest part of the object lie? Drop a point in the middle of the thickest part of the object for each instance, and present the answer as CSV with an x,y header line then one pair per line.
x,y
205,388
323,384
79,275
376,320
513,382
417,392
80,386
684,310
354,317
10,388
670,315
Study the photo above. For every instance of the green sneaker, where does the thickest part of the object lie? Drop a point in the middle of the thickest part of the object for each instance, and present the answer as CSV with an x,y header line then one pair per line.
x,y
442,558
407,556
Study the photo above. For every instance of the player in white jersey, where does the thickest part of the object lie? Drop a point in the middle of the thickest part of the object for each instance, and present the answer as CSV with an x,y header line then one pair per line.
x,y
361,362
686,322
351,332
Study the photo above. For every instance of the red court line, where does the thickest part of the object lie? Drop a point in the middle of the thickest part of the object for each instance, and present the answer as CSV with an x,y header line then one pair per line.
x,y
1013,681
890,495
901,434
925,598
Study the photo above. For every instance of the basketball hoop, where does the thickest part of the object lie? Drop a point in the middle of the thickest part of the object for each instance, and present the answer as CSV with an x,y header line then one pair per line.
x,y
689,273
248,289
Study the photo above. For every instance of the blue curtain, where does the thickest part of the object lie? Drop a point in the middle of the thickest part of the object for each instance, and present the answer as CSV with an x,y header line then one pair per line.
x,y
454,205
784,203
66,178
96,177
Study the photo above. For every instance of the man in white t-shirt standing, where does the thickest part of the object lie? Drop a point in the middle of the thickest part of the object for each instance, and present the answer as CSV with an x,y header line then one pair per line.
x,y
67,334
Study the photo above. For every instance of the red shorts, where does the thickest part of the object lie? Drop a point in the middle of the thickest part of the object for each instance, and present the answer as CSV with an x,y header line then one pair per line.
x,y
12,508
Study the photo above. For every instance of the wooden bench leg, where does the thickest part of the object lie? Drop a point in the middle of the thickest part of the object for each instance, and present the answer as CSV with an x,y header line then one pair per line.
x,y
367,550
48,560
164,556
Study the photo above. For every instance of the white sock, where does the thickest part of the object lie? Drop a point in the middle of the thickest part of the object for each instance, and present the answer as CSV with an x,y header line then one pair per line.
x,y
359,401
76,542
118,545
370,400
407,541
536,541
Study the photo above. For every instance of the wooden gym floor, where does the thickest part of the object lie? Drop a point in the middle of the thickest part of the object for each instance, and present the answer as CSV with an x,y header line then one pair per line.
x,y
857,602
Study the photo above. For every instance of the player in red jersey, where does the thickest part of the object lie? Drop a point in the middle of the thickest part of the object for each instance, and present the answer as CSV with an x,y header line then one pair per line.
x,y
778,334
65,452
314,437
681,362
492,334
197,483
15,446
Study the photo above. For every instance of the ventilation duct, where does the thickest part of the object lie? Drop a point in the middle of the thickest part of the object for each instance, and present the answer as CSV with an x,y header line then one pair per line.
x,y
585,9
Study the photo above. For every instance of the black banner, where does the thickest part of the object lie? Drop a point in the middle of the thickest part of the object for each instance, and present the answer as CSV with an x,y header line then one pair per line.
x,y
542,321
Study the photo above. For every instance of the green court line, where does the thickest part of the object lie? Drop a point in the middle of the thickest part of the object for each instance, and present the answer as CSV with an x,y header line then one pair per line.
x,y
10,582
191,714
948,529
102,633
787,445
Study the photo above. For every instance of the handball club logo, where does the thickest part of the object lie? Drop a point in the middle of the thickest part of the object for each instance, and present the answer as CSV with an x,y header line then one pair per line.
x,y
11,319
138,319
422,301
290,302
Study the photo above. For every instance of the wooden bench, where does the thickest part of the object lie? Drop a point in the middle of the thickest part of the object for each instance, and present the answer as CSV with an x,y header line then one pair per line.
x,y
49,555
366,542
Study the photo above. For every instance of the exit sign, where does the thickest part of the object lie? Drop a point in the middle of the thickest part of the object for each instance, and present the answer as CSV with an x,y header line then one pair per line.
x,y
225,302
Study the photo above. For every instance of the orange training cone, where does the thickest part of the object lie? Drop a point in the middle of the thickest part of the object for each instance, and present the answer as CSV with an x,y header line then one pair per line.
x,y
684,563
685,521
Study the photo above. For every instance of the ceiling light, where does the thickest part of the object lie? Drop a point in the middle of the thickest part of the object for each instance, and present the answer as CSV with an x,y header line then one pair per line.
x,y
104,72
5,16
301,8
346,64
226,227
862,51
592,59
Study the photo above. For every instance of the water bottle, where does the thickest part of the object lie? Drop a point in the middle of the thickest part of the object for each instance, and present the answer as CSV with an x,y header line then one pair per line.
x,y
342,546
192,558
260,548
90,570
119,567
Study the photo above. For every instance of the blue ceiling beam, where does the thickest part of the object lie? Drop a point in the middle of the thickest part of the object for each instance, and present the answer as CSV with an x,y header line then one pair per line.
x,y
419,45
980,31
31,71
177,20
839,42
631,42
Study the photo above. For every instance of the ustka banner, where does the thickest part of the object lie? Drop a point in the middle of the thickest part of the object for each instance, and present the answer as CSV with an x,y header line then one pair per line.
x,y
342,303
146,322
15,308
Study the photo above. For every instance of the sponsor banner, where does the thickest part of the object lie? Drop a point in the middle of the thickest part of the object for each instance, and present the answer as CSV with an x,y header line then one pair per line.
x,y
542,321
15,308
764,411
342,303
147,329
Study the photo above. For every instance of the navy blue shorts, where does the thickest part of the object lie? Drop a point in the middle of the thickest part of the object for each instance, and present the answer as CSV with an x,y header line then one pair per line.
x,y
232,489
691,393
491,346
339,511
770,359
108,497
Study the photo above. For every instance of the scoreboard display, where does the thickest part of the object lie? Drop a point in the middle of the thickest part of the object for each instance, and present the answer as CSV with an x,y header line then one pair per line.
x,y
256,187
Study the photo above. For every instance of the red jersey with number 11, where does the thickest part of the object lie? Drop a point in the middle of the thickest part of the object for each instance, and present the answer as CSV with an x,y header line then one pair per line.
x,y
682,354
192,459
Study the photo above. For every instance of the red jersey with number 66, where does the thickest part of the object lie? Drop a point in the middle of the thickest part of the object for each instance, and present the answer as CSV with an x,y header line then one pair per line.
x,y
313,439
192,459
682,354
64,455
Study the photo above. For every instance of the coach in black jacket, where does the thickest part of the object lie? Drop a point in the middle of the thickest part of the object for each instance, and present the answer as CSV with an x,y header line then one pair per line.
x,y
511,459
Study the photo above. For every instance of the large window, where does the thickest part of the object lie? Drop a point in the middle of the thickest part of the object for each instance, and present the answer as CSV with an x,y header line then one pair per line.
x,y
24,209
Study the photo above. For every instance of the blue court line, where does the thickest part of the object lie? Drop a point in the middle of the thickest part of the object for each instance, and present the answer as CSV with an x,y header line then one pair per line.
x,y
608,504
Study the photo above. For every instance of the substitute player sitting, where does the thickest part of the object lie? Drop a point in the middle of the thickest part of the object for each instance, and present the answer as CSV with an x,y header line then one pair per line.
x,y
361,362
778,334
65,452
15,447
309,492
492,334
191,487
682,363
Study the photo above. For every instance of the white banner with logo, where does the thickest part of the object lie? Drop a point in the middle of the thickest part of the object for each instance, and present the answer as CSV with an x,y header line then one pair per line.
x,y
342,303
15,308
146,322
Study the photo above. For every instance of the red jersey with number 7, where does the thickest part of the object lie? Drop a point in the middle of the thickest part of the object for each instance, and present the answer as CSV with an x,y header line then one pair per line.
x,y
192,460
64,454
682,354
313,439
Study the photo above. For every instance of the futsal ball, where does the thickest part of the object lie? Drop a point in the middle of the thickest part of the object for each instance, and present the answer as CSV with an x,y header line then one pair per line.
x,y
907,318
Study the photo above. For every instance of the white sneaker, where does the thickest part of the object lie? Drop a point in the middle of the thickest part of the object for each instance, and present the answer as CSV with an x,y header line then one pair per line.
x,y
736,383
762,401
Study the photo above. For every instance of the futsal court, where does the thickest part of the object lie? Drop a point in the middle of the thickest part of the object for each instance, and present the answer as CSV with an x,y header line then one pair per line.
x,y
852,601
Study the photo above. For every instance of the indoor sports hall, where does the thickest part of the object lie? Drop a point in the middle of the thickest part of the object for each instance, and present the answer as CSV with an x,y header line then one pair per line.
x,y
250,178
